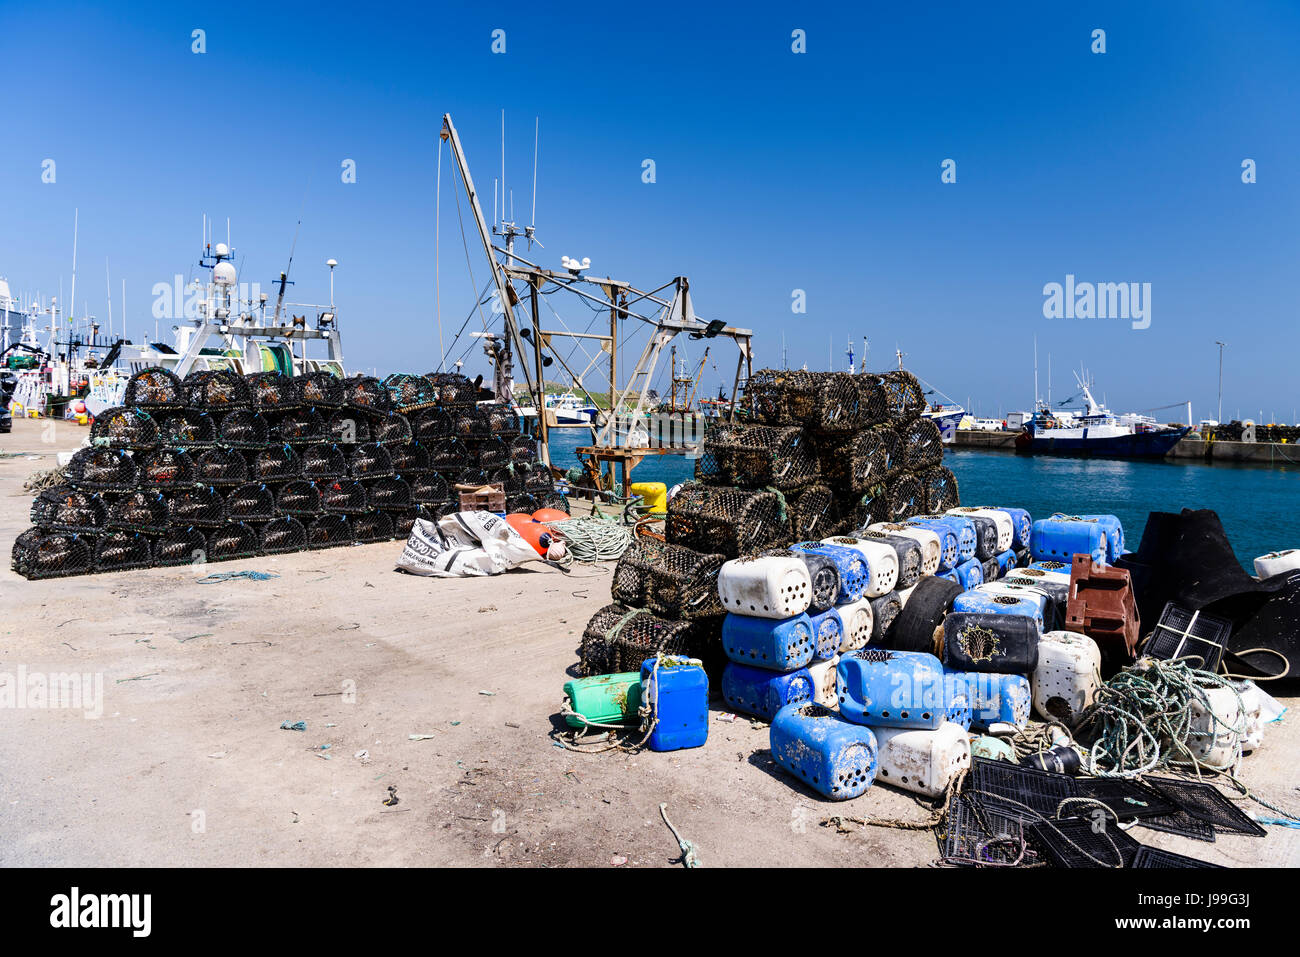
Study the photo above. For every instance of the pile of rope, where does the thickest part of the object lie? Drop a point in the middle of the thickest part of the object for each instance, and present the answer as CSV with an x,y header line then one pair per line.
x,y
593,539
42,479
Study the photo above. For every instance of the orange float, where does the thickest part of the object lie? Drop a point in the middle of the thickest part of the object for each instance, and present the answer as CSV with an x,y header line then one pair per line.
x,y
550,515
534,533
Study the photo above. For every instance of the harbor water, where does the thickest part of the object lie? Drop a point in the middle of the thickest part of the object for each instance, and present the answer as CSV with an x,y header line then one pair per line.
x,y
1254,502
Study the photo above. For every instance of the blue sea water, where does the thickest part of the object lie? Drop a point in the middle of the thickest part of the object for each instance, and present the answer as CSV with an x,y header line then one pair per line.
x,y
1257,504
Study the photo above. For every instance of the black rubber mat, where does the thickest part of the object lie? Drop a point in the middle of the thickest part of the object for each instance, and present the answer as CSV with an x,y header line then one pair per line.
x,y
1207,802
1154,857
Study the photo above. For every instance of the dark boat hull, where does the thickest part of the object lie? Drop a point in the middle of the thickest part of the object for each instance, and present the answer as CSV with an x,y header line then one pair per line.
x,y
1139,445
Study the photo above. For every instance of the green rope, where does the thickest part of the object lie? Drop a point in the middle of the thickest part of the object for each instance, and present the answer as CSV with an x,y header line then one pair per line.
x,y
590,539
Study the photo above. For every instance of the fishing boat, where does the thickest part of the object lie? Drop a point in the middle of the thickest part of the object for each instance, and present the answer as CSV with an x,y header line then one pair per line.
x,y
1096,431
568,409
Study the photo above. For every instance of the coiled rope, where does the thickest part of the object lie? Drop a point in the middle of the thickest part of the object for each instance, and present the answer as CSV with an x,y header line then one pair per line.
x,y
648,713
593,539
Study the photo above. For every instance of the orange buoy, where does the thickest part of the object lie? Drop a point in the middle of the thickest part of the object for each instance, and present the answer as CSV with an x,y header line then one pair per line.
x,y
535,533
550,515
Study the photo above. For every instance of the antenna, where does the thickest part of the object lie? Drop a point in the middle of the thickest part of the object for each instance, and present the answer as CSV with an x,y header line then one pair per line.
x,y
72,307
109,283
537,126
123,308
503,162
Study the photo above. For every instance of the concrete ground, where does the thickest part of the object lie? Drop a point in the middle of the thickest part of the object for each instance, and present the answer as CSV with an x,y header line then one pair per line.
x,y
187,764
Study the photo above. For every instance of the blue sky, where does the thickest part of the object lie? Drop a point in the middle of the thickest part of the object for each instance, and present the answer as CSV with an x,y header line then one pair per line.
x,y
775,171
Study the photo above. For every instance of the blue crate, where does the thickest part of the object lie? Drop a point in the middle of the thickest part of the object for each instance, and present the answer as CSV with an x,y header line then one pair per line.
x,y
959,526
848,561
999,604
995,698
763,693
677,694
970,573
1022,526
1061,539
777,644
832,756
828,629
1113,527
891,689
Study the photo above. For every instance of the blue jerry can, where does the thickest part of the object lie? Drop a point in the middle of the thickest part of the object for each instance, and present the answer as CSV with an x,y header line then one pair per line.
x,y
962,528
1022,525
828,629
832,756
782,644
970,573
995,699
956,703
848,561
1114,531
1060,539
677,694
892,689
764,693
1006,562
999,604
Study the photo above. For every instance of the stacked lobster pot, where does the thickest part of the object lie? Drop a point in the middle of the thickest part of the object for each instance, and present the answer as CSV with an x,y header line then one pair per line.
x,y
222,466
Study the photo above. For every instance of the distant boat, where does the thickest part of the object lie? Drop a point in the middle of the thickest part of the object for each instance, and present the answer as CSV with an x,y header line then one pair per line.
x,y
570,410
1096,431
946,416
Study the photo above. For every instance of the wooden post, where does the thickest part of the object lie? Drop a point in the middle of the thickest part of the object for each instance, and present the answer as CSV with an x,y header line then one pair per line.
x,y
539,398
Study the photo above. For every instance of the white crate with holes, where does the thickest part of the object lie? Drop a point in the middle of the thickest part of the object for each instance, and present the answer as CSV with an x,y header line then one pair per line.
x,y
1067,677
767,587
924,762
881,559
931,546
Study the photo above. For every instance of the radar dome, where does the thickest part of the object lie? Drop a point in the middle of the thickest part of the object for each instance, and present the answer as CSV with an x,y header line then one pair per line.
x,y
223,274
223,251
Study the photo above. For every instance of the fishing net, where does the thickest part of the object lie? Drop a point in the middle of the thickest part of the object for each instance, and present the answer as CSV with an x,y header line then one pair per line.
x,y
125,428
251,502
281,535
920,444
119,550
366,394
180,545
217,391
347,428
906,495
620,639
453,389
856,462
429,488
344,496
187,429
940,489
274,391
305,427
904,397
760,456
822,401
448,454
144,510
672,581
46,553
389,494
374,527
502,420
323,462
813,513
242,429
153,389
321,389
299,497
726,521
275,465
410,392
494,453
429,425
218,466
410,459
165,468
232,540
328,531
102,468
370,461
392,428
67,509
200,505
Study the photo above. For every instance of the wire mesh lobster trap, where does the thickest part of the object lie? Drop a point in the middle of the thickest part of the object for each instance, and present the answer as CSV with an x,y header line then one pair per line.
x,y
306,427
537,478
216,390
119,550
232,540
344,496
322,390
68,509
250,502
187,429
470,422
323,462
523,448
409,460
555,500
370,461
48,553
524,502
299,497
429,488
329,530
404,522
274,391
822,401
813,513
102,469
180,545
920,444
726,521
372,527
448,455
857,461
760,456
165,468
409,392
672,581
125,428
144,510
618,638
391,428
200,505
453,389
346,427
366,394
904,397
870,507
906,497
218,466
429,425
282,535
494,453
273,464
940,487
473,476
242,429
389,494
501,419
153,388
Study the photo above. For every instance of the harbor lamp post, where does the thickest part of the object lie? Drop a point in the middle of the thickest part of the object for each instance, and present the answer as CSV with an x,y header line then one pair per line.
x,y
331,263
1220,344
